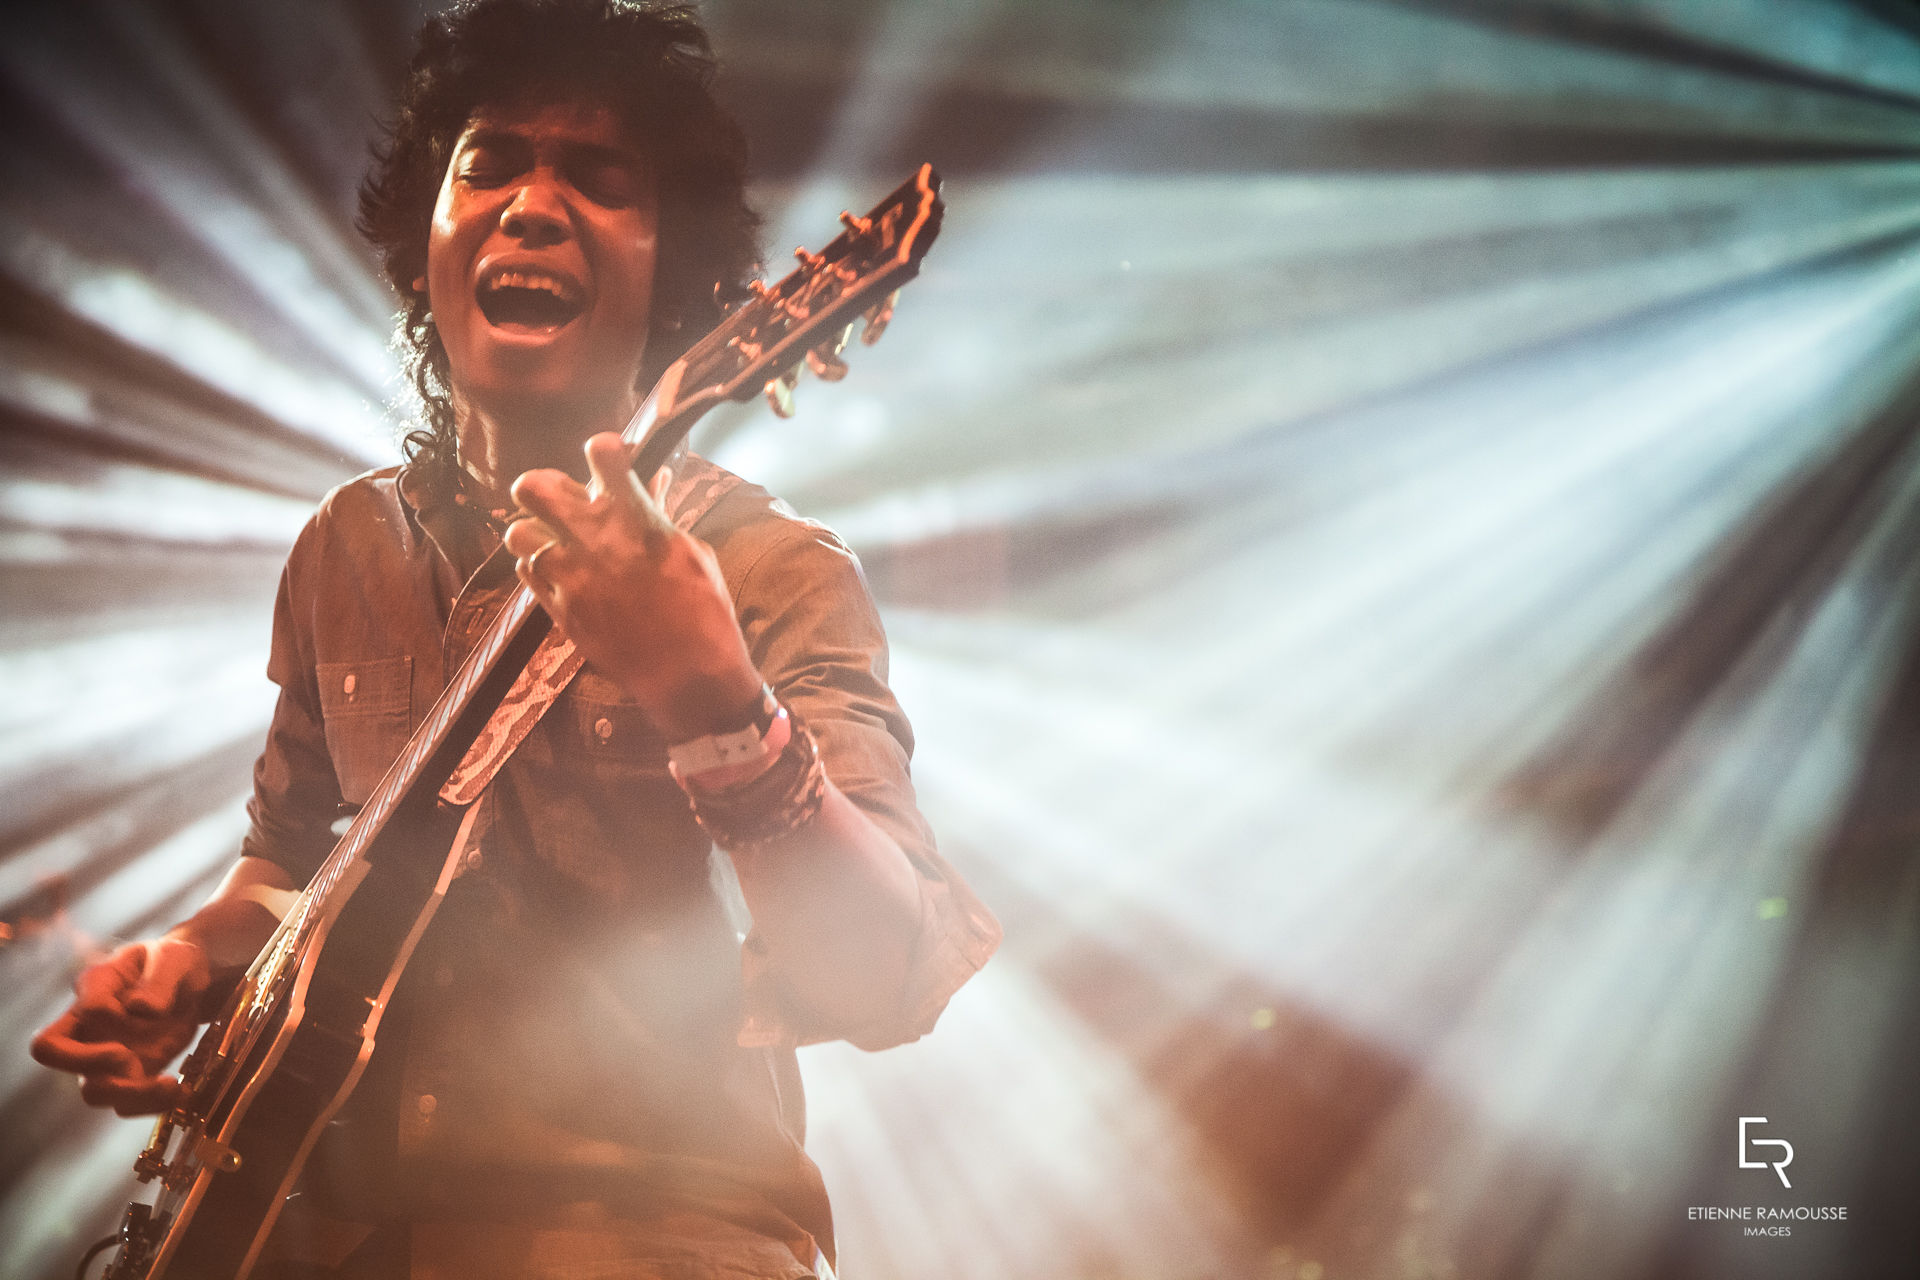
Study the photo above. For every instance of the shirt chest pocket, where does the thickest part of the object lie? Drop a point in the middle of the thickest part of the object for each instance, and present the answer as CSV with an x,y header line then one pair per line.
x,y
366,707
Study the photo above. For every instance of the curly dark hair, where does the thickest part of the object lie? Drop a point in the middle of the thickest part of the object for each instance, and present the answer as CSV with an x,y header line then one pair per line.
x,y
653,66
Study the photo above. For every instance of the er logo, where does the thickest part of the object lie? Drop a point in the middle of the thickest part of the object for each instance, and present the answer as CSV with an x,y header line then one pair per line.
x,y
1778,1166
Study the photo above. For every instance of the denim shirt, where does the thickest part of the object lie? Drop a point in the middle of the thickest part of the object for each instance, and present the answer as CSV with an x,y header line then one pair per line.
x,y
589,1019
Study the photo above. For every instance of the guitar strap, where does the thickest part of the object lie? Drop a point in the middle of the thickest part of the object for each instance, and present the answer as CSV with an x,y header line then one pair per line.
x,y
693,493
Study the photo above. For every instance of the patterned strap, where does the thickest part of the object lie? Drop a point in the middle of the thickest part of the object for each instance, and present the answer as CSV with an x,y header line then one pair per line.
x,y
556,662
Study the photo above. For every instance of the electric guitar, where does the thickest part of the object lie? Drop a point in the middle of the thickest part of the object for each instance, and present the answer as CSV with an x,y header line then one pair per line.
x,y
294,1038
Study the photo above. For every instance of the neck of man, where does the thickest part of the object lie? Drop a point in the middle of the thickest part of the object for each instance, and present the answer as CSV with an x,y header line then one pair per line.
x,y
500,443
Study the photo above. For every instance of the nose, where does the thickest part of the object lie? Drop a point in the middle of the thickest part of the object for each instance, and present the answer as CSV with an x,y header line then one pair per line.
x,y
536,216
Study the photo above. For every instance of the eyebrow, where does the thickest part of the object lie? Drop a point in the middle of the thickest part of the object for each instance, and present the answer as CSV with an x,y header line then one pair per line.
x,y
491,137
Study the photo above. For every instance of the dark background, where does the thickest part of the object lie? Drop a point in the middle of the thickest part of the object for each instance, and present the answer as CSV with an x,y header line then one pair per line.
x,y
1398,523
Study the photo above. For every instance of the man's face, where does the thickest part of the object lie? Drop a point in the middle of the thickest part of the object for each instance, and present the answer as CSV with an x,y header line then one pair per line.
x,y
540,264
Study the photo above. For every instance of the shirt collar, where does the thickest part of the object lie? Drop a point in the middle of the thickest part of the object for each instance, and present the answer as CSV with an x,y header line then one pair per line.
x,y
462,533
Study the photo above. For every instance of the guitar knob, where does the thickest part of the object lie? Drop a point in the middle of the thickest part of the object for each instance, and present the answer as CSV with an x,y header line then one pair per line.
x,y
780,393
878,317
826,366
825,359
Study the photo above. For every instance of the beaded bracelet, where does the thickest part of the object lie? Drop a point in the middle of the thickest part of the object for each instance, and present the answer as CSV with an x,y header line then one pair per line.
x,y
749,816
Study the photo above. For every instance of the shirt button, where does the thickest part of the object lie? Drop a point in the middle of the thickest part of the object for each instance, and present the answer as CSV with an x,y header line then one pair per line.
x,y
426,1104
473,859
346,686
603,728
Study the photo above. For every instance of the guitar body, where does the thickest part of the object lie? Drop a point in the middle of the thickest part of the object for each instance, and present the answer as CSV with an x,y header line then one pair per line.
x,y
280,1060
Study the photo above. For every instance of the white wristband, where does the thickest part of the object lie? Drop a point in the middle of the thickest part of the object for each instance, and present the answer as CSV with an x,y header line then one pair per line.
x,y
725,750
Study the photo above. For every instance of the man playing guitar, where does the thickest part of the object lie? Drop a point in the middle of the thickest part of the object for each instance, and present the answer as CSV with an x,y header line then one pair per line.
x,y
705,853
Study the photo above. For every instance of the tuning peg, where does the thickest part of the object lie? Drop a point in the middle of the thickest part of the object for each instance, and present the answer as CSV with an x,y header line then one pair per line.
x,y
811,261
780,393
825,367
859,226
878,317
825,359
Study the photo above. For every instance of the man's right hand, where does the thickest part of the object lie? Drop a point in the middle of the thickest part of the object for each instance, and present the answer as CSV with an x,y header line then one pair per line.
x,y
132,1014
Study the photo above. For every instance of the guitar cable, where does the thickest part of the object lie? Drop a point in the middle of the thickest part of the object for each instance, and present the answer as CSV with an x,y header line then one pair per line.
x,y
100,1246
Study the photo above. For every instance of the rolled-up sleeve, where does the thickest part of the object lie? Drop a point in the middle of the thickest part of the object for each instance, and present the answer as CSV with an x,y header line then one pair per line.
x,y
815,634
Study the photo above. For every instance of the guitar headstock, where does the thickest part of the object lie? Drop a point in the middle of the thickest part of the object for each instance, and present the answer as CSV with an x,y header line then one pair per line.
x,y
804,318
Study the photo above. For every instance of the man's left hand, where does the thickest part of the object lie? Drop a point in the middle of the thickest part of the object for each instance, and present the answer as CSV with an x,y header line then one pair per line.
x,y
643,600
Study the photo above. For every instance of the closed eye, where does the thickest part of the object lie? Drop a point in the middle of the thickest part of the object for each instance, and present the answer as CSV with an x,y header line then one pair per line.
x,y
612,177
490,158
612,186
485,176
